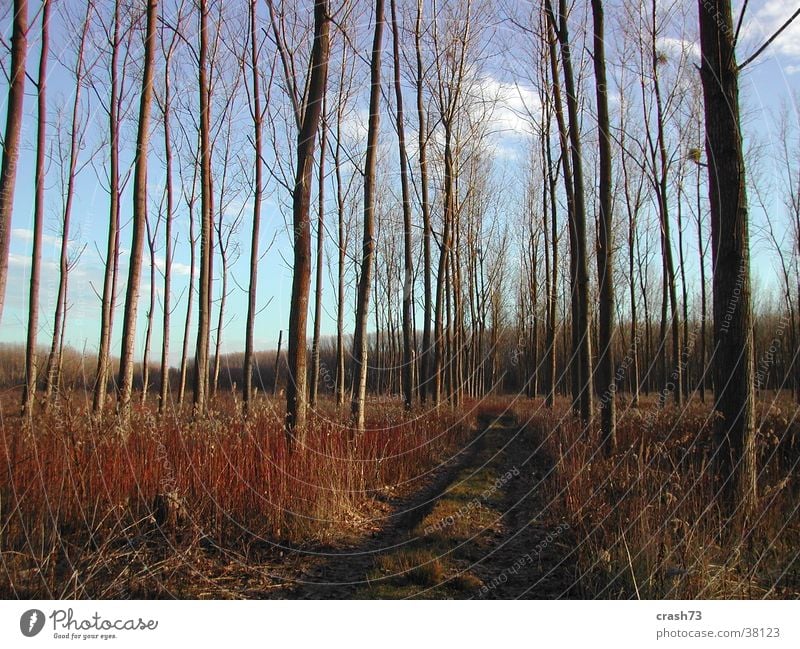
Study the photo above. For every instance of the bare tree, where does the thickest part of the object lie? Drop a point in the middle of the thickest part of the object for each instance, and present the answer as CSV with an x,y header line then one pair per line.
x,y
258,197
69,159
605,243
31,369
360,341
201,369
307,119
191,201
152,246
110,278
168,47
733,327
425,364
315,351
582,388
8,169
408,259
139,215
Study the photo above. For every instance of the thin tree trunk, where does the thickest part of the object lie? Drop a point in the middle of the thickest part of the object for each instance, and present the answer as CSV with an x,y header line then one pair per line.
x,y
14,116
139,216
296,397
31,369
360,340
258,197
201,364
408,260
666,239
168,254
605,243
112,249
315,351
342,241
425,363
277,364
569,190
59,319
583,337
151,243
703,293
187,323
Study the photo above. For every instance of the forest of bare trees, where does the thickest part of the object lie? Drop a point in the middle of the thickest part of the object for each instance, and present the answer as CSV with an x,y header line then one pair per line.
x,y
555,200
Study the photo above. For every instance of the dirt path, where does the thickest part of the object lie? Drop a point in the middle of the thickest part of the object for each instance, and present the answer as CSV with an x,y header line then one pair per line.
x,y
478,530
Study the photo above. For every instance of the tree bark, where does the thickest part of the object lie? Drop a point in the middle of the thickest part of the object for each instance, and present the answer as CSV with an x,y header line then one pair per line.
x,y
168,253
408,260
201,362
583,336
315,351
31,369
112,248
258,197
14,116
296,388
53,372
425,364
139,216
733,327
360,340
605,243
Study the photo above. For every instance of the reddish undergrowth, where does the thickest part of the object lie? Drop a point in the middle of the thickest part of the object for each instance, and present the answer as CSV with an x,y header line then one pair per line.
x,y
67,481
646,519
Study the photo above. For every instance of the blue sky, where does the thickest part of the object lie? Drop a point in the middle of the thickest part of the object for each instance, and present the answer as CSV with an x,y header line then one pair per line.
x,y
774,79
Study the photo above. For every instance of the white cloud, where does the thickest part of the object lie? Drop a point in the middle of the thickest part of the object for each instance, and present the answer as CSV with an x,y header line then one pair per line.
x,y
679,47
27,235
515,106
766,21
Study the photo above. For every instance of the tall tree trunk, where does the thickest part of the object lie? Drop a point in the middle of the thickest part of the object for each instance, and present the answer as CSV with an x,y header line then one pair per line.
x,y
342,249
605,243
112,247
296,397
733,327
676,379
258,197
221,314
569,191
168,254
425,364
152,234
583,337
201,364
701,244
139,216
441,273
187,323
315,351
59,319
14,115
360,339
31,369
408,260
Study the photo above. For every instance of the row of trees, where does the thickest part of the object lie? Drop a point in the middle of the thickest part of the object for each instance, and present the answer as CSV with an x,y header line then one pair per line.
x,y
459,251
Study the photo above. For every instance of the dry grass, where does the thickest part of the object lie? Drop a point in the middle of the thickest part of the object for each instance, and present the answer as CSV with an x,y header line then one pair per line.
x,y
74,492
646,520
